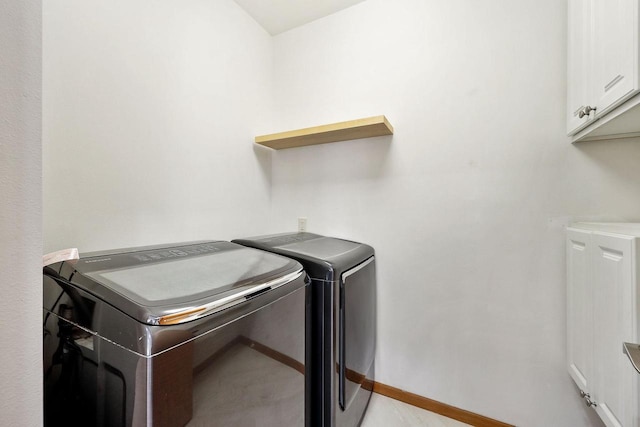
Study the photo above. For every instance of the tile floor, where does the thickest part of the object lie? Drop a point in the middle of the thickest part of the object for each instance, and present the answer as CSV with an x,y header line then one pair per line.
x,y
385,412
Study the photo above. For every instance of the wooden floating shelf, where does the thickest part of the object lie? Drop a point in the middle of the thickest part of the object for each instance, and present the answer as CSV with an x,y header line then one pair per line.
x,y
343,131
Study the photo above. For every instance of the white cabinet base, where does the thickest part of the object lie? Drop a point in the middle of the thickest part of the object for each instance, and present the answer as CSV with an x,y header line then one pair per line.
x,y
602,313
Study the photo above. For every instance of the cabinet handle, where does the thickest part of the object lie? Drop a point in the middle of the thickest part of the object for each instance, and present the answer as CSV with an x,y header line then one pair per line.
x,y
588,400
586,111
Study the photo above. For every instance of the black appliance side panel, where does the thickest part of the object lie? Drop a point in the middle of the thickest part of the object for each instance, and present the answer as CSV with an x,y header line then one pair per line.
x,y
356,337
320,338
87,380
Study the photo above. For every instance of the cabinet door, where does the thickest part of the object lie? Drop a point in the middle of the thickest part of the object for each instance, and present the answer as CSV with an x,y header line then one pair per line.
x,y
579,65
615,55
579,309
615,382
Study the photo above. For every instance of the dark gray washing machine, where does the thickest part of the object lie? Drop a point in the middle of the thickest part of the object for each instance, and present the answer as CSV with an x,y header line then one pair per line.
x,y
196,334
343,321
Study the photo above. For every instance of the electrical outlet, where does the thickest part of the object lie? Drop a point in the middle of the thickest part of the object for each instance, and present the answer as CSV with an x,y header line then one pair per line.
x,y
302,224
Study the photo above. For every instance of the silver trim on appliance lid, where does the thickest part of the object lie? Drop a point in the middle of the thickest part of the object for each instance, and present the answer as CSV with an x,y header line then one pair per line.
x,y
357,268
193,313
633,353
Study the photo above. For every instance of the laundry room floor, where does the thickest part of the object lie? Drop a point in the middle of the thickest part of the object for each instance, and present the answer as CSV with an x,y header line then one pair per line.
x,y
384,411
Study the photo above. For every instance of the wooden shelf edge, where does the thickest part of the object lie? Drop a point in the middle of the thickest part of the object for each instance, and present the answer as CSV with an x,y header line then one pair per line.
x,y
353,129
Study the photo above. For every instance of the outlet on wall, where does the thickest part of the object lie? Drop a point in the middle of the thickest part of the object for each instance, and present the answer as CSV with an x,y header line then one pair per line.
x,y
302,224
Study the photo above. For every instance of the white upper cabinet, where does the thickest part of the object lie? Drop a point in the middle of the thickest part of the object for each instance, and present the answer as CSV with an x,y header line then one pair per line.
x,y
603,69
615,42
578,93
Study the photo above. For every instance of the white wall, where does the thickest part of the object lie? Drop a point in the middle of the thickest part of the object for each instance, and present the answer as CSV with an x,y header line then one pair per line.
x,y
150,108
20,212
466,203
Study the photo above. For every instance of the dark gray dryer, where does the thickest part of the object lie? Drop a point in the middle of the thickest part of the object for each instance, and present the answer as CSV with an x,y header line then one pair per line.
x,y
343,288
196,334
